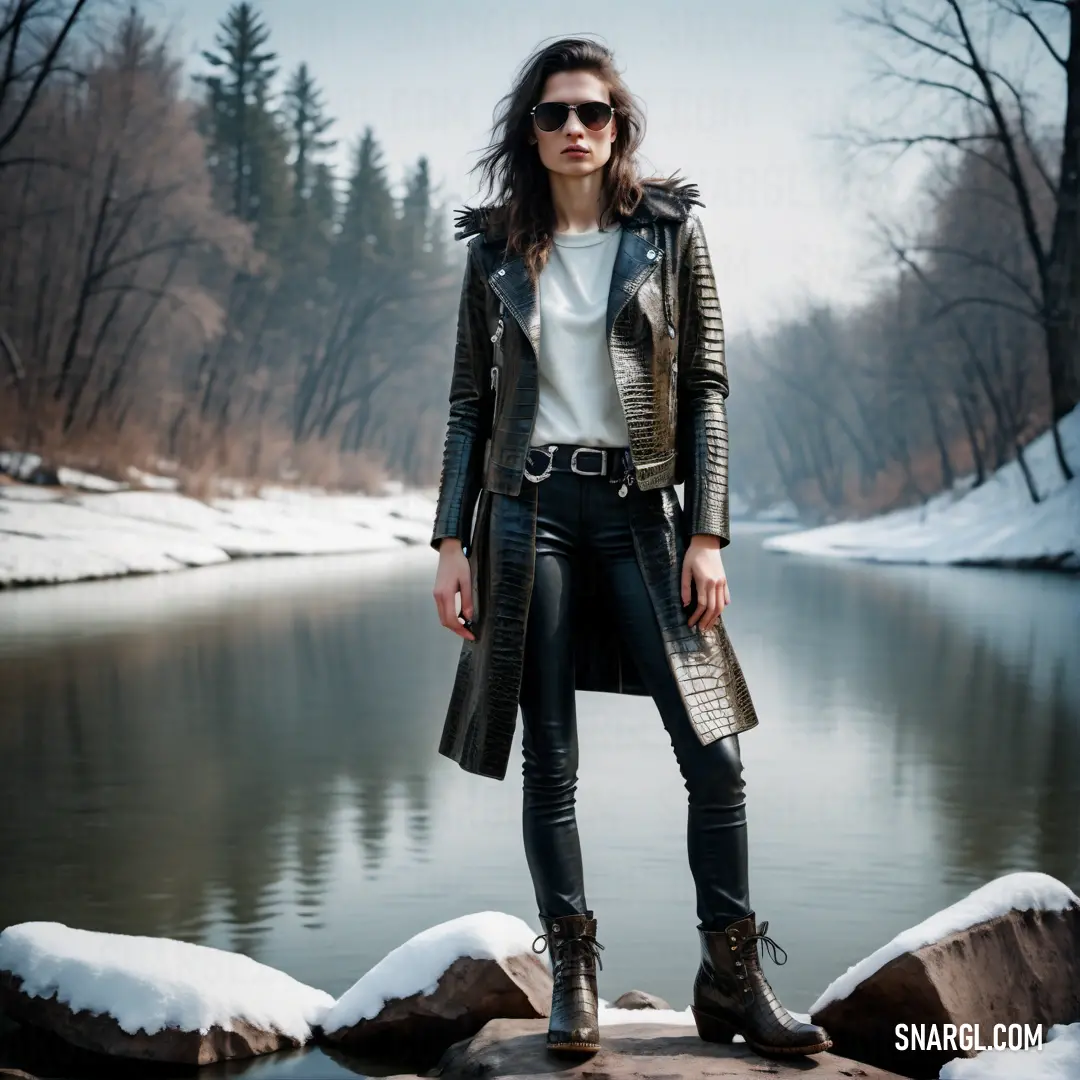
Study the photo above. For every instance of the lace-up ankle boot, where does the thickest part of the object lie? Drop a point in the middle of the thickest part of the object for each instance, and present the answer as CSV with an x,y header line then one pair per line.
x,y
732,997
575,956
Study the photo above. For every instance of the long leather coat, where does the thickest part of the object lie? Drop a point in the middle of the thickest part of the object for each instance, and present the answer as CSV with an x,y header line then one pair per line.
x,y
666,341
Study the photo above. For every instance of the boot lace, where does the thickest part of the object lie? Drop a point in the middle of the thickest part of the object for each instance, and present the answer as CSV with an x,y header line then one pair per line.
x,y
767,942
573,948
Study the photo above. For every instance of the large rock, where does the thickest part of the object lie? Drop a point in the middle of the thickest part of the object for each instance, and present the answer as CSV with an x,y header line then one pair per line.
x,y
102,1034
517,1049
154,999
469,993
639,999
1019,968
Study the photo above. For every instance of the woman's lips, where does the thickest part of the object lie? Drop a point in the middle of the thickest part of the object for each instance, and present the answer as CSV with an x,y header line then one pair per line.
x,y
576,152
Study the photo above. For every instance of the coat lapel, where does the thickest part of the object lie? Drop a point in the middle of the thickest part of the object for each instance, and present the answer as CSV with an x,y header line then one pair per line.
x,y
635,260
510,283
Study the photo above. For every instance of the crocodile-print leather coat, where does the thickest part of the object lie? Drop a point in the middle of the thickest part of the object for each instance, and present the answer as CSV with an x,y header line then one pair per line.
x,y
666,340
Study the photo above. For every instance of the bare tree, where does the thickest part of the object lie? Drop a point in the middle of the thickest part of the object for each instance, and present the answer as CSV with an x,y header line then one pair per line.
x,y
966,256
33,34
985,111
107,249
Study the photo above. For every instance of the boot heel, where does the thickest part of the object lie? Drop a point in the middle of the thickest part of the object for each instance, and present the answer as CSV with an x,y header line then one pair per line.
x,y
711,1029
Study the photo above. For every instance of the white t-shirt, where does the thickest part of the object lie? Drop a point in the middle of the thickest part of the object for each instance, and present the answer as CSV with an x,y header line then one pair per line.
x,y
579,402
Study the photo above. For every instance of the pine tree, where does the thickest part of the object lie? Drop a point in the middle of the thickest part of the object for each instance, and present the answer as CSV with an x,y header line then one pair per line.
x,y
247,146
307,123
369,224
439,237
416,217
322,203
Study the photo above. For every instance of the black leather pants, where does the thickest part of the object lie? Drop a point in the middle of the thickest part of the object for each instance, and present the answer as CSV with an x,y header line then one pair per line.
x,y
574,511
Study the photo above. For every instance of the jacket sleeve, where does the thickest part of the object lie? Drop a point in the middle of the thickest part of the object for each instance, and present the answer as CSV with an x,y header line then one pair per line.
x,y
703,391
463,449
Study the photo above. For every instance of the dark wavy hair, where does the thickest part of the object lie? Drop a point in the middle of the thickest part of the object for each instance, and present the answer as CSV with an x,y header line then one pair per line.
x,y
511,165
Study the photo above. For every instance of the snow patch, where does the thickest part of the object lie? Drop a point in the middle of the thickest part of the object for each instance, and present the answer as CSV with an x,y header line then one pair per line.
x,y
152,480
47,535
416,966
994,523
1057,1059
76,478
1023,891
19,464
155,983
610,1016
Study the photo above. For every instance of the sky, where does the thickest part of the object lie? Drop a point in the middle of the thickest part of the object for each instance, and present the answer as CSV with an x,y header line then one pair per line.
x,y
740,96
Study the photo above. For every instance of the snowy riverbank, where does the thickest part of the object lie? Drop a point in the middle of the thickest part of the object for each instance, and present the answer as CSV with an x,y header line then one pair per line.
x,y
993,524
84,527
88,527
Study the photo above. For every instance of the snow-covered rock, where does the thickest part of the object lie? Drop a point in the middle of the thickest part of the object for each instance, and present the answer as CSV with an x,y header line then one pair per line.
x,y
153,481
639,999
443,985
19,464
31,469
77,478
151,998
995,523
47,535
1008,953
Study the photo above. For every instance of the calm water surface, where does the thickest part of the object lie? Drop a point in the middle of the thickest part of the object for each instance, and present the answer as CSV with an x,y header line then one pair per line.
x,y
245,757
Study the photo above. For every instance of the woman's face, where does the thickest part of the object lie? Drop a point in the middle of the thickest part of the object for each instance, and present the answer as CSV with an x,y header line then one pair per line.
x,y
574,88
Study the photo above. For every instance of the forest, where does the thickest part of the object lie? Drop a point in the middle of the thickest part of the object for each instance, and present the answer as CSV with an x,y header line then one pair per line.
x,y
970,346
184,281
189,284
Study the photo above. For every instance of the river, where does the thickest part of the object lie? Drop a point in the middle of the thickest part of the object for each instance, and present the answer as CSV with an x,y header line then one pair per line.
x,y
244,756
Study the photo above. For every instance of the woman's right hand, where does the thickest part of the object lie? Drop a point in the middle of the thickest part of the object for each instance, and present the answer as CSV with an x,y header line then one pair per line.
x,y
454,576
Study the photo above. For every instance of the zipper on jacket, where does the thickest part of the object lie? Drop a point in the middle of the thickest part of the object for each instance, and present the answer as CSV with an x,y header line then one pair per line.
x,y
671,333
496,338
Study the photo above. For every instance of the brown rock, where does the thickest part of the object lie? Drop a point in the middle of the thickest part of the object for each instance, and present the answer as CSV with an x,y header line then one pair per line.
x,y
1020,968
513,1049
639,999
102,1034
469,994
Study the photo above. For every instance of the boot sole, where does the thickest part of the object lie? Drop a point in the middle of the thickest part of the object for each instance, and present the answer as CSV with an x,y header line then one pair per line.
x,y
574,1048
713,1029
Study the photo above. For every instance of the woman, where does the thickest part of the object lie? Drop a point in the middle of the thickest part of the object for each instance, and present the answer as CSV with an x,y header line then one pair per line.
x,y
589,575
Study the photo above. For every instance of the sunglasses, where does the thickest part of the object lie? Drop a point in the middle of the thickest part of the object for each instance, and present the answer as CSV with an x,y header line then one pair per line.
x,y
551,115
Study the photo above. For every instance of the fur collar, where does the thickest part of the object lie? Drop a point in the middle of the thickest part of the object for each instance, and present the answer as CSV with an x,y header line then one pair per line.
x,y
667,198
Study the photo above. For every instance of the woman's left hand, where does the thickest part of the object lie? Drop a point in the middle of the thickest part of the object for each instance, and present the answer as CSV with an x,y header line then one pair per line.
x,y
704,565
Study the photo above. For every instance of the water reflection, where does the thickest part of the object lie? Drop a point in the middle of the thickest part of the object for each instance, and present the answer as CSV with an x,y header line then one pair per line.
x,y
969,669
165,777
920,732
245,757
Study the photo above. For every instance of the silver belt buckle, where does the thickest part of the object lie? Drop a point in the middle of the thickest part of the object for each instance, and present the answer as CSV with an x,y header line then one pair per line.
x,y
550,451
589,450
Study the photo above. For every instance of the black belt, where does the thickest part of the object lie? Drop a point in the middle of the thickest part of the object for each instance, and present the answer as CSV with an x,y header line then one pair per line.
x,y
612,462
